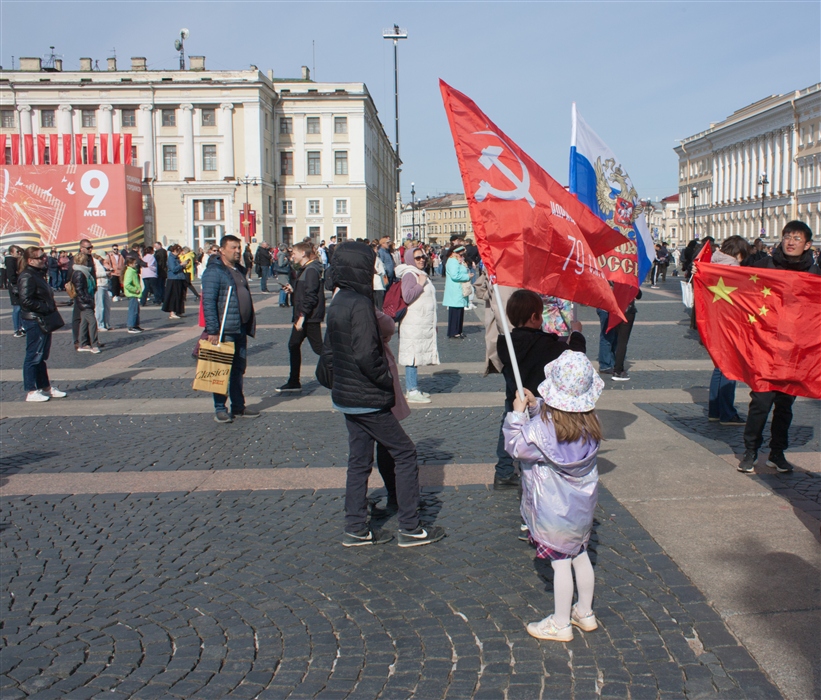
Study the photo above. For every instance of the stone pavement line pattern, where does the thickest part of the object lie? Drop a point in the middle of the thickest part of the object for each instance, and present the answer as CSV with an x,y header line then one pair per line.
x,y
128,596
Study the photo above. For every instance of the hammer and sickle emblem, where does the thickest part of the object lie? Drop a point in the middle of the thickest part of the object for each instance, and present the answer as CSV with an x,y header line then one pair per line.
x,y
490,158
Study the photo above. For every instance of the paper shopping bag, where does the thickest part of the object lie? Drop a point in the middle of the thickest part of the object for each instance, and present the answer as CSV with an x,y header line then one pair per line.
x,y
214,367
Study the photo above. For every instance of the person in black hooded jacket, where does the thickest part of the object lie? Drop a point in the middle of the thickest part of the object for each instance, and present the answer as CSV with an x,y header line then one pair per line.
x,y
534,349
353,365
793,254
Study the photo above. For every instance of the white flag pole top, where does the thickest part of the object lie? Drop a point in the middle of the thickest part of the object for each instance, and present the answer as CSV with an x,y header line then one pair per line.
x,y
224,315
573,124
506,328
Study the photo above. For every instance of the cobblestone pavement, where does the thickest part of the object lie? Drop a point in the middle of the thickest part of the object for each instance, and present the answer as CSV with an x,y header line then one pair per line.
x,y
249,595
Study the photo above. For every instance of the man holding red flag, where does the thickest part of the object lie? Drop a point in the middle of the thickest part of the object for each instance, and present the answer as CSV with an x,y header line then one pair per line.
x,y
530,231
763,327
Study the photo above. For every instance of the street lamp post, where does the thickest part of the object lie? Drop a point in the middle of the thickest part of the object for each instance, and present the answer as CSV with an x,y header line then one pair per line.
x,y
694,195
246,209
763,182
395,35
413,212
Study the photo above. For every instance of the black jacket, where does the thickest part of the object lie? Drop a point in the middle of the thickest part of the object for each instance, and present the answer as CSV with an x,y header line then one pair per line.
x,y
35,296
778,261
309,296
263,257
85,296
534,349
11,278
161,256
353,363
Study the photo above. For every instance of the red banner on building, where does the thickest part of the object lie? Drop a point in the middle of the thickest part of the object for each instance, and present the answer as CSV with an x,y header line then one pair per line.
x,y
56,205
78,149
53,149
127,149
115,147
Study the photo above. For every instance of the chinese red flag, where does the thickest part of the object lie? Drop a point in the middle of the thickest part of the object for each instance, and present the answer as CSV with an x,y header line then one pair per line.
x,y
530,231
761,326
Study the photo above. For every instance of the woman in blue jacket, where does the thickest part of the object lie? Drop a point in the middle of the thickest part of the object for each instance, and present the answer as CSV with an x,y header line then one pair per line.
x,y
176,283
456,274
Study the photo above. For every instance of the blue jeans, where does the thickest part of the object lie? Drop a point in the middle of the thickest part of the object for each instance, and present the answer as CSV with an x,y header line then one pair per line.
x,y
283,297
235,378
102,306
54,279
722,398
504,462
133,312
38,345
411,378
15,318
607,342
263,280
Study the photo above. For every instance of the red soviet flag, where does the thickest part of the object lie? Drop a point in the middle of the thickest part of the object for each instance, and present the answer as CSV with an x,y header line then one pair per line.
x,y
530,231
761,326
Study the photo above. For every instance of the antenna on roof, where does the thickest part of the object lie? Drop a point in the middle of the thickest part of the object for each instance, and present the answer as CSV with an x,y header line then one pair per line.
x,y
113,52
179,44
50,60
313,58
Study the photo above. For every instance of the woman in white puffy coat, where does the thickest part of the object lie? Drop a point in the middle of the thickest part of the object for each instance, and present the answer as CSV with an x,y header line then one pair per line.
x,y
417,332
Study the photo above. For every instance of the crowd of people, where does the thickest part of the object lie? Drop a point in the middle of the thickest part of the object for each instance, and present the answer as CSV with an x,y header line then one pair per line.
x,y
549,427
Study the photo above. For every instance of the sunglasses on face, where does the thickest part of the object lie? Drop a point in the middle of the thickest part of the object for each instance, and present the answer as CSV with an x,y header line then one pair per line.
x,y
418,257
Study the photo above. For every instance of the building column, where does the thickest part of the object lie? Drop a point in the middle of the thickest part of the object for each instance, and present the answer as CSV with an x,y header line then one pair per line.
x,y
785,161
226,127
733,174
778,179
107,127
771,174
25,118
755,170
146,130
725,176
187,131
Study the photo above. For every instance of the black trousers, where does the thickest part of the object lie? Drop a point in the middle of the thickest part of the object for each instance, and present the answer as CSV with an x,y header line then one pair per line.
x,y
378,298
382,427
456,319
312,331
387,470
760,404
623,331
75,322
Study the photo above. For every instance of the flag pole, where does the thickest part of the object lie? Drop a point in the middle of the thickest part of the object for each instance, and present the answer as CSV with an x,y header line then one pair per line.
x,y
506,328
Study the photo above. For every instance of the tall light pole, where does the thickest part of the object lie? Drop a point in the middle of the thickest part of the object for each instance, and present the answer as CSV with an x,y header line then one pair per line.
x,y
694,195
413,212
245,217
763,182
395,35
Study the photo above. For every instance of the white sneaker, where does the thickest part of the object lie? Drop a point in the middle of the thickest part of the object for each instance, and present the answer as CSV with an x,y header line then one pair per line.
x,y
115,298
103,328
96,350
84,348
586,623
173,315
416,396
547,629
37,396
55,393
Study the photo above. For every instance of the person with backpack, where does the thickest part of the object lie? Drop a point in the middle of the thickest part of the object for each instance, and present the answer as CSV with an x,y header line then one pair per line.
x,y
309,310
417,341
84,281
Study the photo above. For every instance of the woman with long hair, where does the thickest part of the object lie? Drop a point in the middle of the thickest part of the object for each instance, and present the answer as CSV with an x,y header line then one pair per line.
x,y
175,286
36,302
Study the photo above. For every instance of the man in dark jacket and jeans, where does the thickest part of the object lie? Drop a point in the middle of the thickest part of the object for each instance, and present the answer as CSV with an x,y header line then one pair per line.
x,y
353,365
792,254
222,274
309,310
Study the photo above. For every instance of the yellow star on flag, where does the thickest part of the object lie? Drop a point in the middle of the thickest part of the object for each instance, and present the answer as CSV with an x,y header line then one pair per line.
x,y
754,278
763,310
722,291
766,291
752,318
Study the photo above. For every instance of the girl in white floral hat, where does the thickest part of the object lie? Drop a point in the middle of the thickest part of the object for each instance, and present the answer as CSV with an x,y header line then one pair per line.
x,y
556,439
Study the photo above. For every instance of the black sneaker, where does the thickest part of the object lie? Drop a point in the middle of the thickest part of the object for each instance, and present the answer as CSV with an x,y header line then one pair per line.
x,y
734,421
19,334
420,536
779,461
621,376
223,417
135,330
747,463
506,482
359,539
289,388
246,413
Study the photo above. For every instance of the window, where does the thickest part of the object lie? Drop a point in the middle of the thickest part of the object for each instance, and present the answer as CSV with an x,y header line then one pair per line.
x,y
209,157
169,117
209,226
286,163
341,233
270,204
133,155
314,167
47,118
287,207
267,160
7,119
287,234
89,118
209,116
314,232
8,154
209,209
341,162
169,157
341,207
286,125
314,207
340,125
129,117
93,155
313,125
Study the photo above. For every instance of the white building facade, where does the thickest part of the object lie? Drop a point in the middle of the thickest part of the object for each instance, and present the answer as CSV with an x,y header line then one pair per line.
x,y
751,173
208,140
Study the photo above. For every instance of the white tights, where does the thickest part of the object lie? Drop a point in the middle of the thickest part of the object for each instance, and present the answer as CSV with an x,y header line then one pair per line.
x,y
563,587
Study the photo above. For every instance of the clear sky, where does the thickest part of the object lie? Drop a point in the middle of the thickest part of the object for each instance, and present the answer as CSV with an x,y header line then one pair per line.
x,y
644,74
